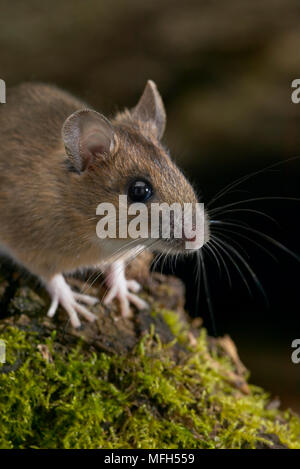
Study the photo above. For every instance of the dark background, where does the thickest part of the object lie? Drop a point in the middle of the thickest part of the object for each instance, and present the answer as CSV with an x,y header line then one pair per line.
x,y
225,71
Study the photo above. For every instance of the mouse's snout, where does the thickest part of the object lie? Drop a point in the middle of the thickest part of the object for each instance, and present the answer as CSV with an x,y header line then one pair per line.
x,y
182,223
195,230
182,227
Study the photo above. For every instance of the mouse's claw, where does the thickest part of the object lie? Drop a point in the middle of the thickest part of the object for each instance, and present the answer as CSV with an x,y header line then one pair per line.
x,y
121,288
61,293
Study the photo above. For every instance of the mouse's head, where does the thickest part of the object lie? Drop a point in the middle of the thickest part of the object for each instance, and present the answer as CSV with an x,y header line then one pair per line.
x,y
131,179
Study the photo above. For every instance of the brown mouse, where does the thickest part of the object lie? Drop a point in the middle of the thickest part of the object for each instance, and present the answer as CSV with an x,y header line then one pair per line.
x,y
58,160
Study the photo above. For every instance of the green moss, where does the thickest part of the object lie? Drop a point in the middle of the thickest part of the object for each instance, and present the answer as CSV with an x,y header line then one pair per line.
x,y
178,328
143,399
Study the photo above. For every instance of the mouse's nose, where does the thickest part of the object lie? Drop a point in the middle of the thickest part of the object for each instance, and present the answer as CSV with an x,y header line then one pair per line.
x,y
194,230
190,238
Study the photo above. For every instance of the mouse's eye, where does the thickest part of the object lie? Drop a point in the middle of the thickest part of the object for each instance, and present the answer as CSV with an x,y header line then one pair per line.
x,y
140,191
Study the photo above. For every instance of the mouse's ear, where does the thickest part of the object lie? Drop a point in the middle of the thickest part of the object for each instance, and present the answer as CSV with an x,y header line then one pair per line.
x,y
87,135
150,110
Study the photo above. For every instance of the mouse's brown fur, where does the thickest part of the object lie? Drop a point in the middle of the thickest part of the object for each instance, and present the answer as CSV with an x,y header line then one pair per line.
x,y
48,209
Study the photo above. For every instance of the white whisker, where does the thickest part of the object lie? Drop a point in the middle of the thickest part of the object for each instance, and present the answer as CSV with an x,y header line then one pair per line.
x,y
240,180
267,237
220,243
208,296
249,269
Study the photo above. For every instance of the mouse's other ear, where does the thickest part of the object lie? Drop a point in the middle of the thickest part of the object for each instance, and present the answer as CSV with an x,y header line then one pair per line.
x,y
150,110
87,135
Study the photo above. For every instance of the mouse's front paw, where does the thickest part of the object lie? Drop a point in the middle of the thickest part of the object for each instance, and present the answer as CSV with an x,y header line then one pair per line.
x,y
61,294
119,287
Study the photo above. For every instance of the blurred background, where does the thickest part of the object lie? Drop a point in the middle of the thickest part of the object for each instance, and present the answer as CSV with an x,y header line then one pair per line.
x,y
225,72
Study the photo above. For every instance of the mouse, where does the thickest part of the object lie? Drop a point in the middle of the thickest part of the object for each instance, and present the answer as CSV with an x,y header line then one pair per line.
x,y
59,159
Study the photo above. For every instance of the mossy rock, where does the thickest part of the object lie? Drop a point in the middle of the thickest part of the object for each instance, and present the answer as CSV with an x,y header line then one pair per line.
x,y
153,381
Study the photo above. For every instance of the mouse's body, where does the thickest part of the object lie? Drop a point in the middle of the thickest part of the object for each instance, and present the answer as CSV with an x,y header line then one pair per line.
x,y
35,184
58,161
